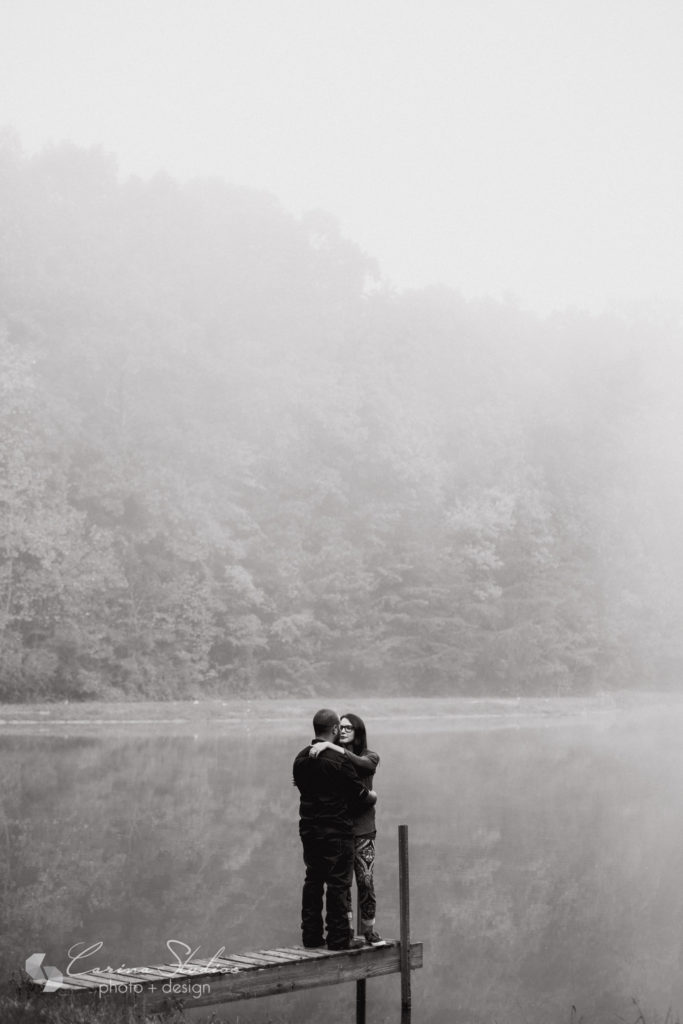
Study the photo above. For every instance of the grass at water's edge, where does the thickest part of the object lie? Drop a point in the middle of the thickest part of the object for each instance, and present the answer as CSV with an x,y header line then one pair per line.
x,y
21,1004
39,1009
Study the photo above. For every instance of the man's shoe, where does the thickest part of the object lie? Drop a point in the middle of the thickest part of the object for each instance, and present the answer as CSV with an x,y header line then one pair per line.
x,y
355,942
372,937
314,945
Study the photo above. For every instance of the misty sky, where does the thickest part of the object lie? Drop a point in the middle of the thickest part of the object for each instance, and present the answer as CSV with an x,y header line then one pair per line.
x,y
531,148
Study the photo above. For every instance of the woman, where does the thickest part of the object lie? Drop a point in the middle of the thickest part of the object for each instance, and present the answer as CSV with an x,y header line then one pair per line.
x,y
353,740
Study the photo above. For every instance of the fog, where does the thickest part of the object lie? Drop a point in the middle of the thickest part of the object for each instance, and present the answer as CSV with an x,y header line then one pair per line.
x,y
340,361
503,147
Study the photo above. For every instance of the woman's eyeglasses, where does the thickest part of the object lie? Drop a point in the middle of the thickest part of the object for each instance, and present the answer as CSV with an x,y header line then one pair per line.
x,y
346,728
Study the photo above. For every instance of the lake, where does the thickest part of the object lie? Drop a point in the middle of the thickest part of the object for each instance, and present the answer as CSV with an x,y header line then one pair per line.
x,y
546,846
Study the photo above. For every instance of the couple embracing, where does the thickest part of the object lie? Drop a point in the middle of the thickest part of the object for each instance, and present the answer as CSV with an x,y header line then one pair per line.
x,y
334,775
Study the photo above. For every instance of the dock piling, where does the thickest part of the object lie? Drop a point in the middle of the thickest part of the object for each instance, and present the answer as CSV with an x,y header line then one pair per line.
x,y
360,985
404,911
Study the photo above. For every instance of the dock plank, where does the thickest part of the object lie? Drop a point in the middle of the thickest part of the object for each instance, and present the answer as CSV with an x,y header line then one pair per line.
x,y
249,959
173,971
110,978
219,965
281,955
306,954
74,985
234,962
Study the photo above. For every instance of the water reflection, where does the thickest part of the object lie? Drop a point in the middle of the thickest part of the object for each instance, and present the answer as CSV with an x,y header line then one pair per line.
x,y
544,862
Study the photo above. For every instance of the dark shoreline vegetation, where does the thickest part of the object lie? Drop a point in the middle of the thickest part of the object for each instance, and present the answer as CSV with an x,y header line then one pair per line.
x,y
234,463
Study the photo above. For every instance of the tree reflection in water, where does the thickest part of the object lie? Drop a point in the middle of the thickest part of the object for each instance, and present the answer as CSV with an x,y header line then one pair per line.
x,y
544,861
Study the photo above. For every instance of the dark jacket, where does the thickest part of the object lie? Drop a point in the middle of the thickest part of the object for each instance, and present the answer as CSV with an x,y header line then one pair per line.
x,y
331,793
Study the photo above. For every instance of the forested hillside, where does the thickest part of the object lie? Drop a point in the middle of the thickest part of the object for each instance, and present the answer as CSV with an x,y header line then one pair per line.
x,y
232,461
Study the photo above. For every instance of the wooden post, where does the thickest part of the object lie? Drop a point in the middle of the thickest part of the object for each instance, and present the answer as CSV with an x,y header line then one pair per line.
x,y
360,985
404,909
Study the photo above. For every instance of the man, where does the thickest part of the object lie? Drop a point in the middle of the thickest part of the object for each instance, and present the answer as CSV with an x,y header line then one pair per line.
x,y
330,792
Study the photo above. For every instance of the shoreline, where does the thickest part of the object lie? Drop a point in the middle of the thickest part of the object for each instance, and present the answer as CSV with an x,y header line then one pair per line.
x,y
292,713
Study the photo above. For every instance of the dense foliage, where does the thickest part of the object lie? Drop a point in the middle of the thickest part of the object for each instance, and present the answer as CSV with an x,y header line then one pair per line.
x,y
233,461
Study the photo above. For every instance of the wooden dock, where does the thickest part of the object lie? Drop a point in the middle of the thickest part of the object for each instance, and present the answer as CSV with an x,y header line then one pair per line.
x,y
264,972
236,976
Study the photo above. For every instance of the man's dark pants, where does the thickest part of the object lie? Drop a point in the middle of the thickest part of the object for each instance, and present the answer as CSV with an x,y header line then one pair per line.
x,y
329,862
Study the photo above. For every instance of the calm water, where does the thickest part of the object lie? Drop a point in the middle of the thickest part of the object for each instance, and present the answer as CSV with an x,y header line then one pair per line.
x,y
546,860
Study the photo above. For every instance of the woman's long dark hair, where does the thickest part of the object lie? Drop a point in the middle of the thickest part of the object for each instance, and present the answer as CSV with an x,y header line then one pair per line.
x,y
360,739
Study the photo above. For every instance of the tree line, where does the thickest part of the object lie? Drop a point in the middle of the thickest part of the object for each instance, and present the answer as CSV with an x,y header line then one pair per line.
x,y
233,460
